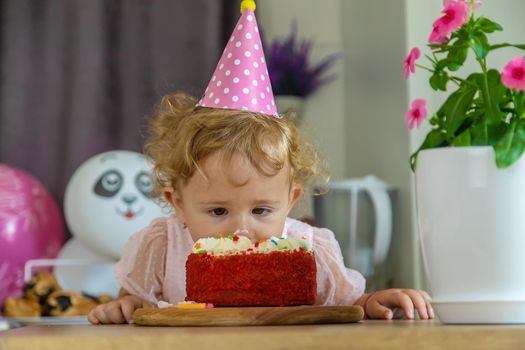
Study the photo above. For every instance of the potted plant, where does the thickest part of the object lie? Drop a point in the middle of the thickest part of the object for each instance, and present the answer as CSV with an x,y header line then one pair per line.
x,y
292,75
470,173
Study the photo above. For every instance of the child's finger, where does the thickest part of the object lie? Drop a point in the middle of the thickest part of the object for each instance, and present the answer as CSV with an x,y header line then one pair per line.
x,y
112,313
430,309
115,313
375,310
405,302
100,314
92,318
127,311
427,298
419,302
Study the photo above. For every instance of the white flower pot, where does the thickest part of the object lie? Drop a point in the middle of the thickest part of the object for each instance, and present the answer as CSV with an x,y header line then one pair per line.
x,y
286,103
472,232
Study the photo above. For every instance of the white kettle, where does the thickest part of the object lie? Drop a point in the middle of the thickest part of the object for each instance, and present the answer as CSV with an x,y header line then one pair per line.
x,y
359,211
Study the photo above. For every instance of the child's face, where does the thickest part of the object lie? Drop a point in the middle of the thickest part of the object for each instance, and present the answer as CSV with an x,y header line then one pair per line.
x,y
235,197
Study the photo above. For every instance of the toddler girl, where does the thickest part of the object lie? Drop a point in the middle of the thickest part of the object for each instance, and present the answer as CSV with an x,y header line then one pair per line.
x,y
225,170
236,166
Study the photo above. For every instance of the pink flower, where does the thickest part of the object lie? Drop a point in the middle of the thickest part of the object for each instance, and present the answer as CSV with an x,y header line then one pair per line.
x,y
437,36
455,15
475,6
410,62
416,113
513,74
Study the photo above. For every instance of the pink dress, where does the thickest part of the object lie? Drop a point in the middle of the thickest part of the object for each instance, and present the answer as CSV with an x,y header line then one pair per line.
x,y
153,263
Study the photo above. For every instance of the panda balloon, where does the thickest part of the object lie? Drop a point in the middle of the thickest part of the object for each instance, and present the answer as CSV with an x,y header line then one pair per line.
x,y
108,199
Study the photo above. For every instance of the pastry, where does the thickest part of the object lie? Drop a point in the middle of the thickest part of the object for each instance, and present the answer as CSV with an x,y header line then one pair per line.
x,y
233,271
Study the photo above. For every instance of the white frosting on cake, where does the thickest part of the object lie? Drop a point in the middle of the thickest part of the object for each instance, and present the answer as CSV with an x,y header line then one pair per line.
x,y
234,244
221,245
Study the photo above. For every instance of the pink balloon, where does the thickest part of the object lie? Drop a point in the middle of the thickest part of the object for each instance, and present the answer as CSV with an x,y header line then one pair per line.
x,y
31,227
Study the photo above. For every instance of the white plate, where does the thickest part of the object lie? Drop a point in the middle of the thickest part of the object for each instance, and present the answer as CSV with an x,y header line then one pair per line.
x,y
480,312
66,320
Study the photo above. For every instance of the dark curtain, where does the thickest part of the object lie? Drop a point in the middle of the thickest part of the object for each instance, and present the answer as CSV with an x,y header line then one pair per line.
x,y
79,77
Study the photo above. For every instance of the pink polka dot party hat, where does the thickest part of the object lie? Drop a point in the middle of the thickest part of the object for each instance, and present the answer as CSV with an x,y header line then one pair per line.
x,y
241,80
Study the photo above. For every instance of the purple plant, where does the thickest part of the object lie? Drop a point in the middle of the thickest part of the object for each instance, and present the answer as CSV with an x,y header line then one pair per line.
x,y
290,70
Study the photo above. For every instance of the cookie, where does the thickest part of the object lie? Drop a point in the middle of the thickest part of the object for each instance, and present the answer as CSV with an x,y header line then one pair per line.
x,y
64,303
20,307
40,286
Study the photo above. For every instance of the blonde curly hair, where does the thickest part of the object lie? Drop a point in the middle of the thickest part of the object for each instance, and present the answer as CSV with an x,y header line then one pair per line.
x,y
182,135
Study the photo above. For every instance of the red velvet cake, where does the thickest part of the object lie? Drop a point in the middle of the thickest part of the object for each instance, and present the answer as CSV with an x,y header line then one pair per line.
x,y
234,272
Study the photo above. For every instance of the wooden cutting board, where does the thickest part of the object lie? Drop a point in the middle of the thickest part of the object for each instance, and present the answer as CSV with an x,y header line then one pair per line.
x,y
248,316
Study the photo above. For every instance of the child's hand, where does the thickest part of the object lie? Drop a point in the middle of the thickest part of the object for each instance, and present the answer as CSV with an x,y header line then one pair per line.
x,y
117,311
385,304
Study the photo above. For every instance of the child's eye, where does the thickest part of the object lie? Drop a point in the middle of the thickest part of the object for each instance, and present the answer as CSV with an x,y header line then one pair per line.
x,y
261,211
218,211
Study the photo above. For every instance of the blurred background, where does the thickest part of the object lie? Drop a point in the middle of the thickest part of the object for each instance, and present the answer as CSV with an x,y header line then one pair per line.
x,y
79,77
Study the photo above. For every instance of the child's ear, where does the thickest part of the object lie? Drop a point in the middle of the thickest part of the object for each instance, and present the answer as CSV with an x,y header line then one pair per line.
x,y
296,193
174,198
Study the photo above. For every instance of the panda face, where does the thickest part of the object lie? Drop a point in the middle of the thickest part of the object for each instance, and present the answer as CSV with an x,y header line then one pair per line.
x,y
110,183
129,188
108,199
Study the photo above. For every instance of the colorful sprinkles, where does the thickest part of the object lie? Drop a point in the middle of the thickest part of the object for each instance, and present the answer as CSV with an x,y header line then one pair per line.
x,y
239,244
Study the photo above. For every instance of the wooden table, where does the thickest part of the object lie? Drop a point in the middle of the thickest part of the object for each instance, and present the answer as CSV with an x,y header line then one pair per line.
x,y
398,334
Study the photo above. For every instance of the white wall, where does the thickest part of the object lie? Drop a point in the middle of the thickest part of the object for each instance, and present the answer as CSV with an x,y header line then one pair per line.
x,y
324,116
357,119
376,95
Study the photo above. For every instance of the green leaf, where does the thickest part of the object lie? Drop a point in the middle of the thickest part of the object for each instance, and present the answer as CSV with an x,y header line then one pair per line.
x,y
487,26
439,80
496,89
496,94
511,146
455,108
463,139
479,134
483,134
434,120
475,115
457,54
495,133
480,44
519,103
412,160
435,138
441,64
